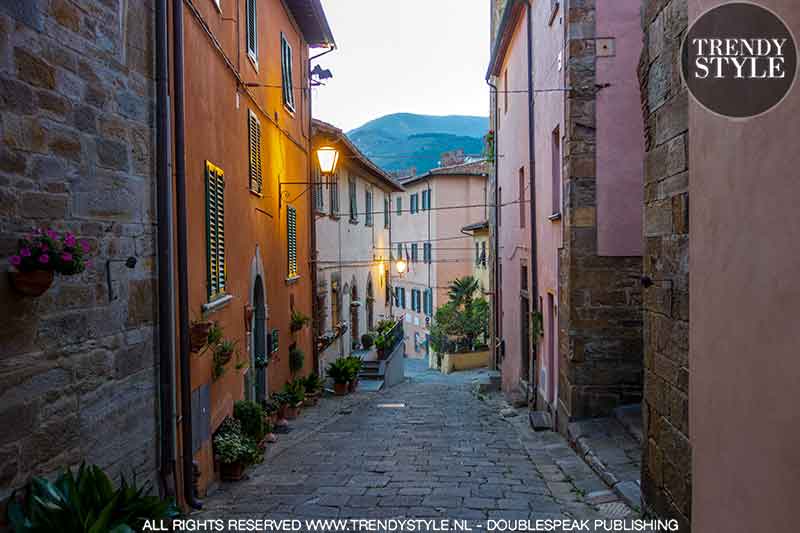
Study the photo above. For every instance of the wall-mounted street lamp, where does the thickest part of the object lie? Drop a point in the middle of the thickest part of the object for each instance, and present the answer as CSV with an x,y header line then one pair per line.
x,y
401,265
328,158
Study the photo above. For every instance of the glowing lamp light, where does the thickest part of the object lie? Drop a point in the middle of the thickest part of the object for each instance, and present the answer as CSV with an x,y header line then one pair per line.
x,y
328,157
401,265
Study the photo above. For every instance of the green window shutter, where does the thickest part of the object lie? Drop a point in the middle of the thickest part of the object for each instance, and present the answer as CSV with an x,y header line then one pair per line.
x,y
252,28
414,253
399,207
254,139
215,230
386,209
368,207
286,73
291,237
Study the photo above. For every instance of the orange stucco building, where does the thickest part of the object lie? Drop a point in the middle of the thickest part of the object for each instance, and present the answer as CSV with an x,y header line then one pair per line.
x,y
249,222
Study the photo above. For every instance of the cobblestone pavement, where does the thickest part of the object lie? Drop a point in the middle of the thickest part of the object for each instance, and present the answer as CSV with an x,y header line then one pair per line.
x,y
427,448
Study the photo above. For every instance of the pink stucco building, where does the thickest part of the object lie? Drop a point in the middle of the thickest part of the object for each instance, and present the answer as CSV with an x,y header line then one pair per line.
x,y
569,145
427,219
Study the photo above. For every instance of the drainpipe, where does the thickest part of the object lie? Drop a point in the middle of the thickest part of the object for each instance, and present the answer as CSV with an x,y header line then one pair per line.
x,y
496,254
183,262
532,186
166,298
313,218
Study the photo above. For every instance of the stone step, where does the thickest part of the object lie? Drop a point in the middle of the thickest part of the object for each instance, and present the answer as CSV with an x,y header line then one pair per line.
x,y
370,385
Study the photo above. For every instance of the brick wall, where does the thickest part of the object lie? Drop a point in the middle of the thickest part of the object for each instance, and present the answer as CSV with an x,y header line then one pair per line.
x,y
77,365
666,475
600,316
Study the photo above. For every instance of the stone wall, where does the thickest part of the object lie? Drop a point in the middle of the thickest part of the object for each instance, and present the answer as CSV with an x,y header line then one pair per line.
x,y
666,473
78,365
600,315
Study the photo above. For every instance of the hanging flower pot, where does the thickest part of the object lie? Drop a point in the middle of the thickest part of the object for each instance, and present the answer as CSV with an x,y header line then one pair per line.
x,y
198,335
33,283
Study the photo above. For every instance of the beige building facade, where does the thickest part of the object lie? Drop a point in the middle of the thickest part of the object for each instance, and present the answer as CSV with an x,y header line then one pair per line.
x,y
353,242
426,232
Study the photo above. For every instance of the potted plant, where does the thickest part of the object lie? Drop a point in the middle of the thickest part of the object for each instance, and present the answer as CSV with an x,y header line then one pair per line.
x,y
199,334
270,408
295,392
41,255
223,353
313,387
339,372
234,450
298,321
296,359
367,340
282,402
251,417
354,367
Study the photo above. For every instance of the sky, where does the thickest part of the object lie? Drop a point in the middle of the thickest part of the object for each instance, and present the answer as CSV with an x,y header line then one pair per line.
x,y
412,56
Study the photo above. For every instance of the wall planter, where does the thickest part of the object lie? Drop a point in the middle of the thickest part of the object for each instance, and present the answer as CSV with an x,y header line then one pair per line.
x,y
198,335
33,283
41,255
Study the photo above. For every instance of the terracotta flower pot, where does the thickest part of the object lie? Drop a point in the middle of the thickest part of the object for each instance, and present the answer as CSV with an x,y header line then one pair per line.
x,y
231,471
33,283
293,411
340,389
281,414
310,400
353,385
198,335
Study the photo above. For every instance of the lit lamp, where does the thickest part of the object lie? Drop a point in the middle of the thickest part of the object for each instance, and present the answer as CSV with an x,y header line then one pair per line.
x,y
328,157
401,266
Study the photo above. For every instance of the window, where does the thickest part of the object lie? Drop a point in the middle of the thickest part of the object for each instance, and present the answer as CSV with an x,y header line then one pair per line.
x,y
291,239
334,192
426,199
521,197
318,190
254,140
399,250
414,208
252,30
400,297
477,253
351,184
556,170
426,252
368,201
483,254
286,73
386,209
416,300
427,302
399,206
215,230
414,252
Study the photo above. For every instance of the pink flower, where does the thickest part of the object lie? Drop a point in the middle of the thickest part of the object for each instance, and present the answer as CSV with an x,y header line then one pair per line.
x,y
52,234
85,246
15,260
42,245
66,256
25,252
44,258
70,240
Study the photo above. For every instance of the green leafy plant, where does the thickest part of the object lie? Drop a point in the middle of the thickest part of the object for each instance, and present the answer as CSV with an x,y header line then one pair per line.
x,y
367,340
459,328
85,503
462,291
353,366
280,398
270,406
251,417
313,384
537,325
298,321
296,359
295,391
223,353
232,445
339,370
215,334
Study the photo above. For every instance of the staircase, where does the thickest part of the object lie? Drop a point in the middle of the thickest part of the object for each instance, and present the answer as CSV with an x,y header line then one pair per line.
x,y
371,377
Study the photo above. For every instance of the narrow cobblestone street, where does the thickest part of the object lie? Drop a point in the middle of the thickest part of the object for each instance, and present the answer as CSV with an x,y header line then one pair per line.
x,y
430,447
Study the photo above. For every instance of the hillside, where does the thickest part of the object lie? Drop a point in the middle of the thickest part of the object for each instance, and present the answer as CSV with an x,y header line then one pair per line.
x,y
404,140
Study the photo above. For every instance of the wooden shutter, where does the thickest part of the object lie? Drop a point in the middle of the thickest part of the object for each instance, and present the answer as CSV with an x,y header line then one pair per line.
x,y
254,138
252,31
286,73
215,230
386,207
291,237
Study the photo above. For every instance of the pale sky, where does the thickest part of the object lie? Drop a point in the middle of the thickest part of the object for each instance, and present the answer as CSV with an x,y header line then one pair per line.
x,y
411,56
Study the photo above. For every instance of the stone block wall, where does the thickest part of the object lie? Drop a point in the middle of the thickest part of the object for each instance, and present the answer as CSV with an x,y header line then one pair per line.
x,y
666,471
600,314
78,376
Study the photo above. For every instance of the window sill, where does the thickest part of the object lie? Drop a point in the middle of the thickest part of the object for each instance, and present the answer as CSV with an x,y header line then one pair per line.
x,y
555,217
354,222
256,193
289,109
217,304
292,279
253,59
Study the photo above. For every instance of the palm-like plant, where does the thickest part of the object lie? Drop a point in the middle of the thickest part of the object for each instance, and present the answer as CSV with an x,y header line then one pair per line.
x,y
462,290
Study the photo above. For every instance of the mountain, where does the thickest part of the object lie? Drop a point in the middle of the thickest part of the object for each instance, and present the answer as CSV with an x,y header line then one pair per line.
x,y
403,140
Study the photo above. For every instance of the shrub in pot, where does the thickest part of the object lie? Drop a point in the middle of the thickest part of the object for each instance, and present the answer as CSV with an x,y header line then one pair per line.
x,y
234,450
282,401
367,340
298,321
313,387
339,372
295,392
296,359
354,367
251,417
86,501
